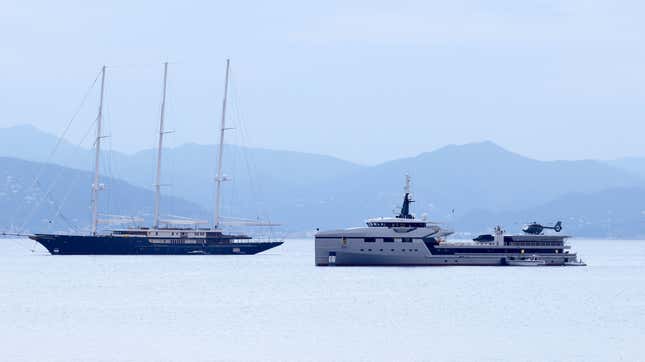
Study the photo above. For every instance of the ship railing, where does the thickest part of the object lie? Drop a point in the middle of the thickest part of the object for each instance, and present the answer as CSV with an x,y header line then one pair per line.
x,y
551,244
492,243
464,243
252,240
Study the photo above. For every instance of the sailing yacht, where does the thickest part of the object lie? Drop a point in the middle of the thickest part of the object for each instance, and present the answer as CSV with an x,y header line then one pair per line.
x,y
165,237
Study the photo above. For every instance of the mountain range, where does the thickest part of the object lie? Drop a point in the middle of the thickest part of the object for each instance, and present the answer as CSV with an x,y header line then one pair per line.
x,y
472,186
42,197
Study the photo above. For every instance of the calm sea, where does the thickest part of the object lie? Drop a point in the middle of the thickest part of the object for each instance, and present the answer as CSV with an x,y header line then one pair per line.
x,y
278,306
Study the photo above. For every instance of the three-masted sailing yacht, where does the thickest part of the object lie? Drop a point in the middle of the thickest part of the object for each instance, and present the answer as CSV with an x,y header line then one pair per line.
x,y
188,238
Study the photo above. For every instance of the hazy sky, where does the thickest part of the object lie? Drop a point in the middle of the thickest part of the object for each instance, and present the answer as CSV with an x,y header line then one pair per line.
x,y
366,81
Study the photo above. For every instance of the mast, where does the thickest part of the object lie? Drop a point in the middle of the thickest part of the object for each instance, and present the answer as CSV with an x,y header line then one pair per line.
x,y
160,147
220,178
405,208
95,185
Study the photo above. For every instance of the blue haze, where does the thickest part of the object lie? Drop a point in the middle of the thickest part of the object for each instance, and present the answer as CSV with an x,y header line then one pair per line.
x,y
471,187
366,81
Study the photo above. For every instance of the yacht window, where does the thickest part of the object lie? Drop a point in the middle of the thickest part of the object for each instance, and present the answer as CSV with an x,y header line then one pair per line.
x,y
370,240
388,240
407,240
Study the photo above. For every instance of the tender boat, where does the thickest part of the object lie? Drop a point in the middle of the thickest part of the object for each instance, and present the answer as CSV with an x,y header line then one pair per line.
x,y
575,263
532,260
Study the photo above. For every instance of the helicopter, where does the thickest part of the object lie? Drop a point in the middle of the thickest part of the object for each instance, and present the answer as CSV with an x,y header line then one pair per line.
x,y
536,229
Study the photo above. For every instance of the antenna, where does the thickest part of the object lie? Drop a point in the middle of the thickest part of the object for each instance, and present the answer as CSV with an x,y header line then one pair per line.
x,y
405,208
407,183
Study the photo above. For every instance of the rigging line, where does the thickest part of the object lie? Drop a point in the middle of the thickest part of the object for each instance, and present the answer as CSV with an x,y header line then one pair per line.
x,y
255,189
140,65
133,65
37,181
105,159
66,129
51,200
242,143
46,195
153,155
108,171
71,188
233,151
69,124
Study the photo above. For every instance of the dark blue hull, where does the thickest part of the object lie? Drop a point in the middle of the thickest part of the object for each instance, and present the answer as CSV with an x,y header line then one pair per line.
x,y
123,245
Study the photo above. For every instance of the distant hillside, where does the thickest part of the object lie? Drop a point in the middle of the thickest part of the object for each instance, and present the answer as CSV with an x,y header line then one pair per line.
x,y
611,213
261,180
479,176
306,191
635,165
61,199
29,143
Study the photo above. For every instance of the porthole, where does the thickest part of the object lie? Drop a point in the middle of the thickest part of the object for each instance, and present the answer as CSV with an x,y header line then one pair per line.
x,y
362,250
381,249
392,249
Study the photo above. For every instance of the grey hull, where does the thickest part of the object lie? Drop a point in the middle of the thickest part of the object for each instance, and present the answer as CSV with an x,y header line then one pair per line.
x,y
353,252
339,258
